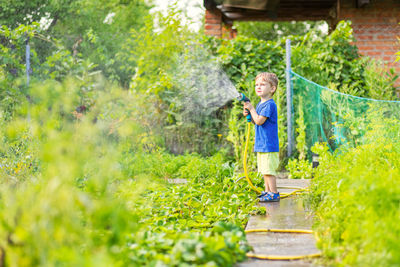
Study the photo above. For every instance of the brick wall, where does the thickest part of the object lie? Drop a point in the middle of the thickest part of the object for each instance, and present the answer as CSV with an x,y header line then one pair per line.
x,y
376,28
213,23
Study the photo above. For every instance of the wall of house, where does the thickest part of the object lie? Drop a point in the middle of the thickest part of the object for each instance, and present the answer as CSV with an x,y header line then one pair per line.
x,y
376,28
214,25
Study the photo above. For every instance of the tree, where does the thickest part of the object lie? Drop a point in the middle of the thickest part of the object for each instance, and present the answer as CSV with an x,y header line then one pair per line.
x,y
89,29
17,12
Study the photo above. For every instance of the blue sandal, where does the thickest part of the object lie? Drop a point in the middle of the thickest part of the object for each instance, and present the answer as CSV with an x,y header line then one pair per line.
x,y
263,193
270,197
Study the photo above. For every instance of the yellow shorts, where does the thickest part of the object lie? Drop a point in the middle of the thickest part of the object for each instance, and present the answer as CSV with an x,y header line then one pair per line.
x,y
267,162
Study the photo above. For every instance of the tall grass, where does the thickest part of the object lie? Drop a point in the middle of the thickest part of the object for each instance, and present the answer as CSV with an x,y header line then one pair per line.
x,y
356,195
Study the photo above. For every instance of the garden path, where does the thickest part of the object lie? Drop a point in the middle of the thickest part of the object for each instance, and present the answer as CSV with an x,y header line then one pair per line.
x,y
289,213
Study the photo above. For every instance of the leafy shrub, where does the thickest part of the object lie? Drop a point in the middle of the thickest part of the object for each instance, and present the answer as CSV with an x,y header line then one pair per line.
x,y
355,193
380,80
299,169
211,212
222,245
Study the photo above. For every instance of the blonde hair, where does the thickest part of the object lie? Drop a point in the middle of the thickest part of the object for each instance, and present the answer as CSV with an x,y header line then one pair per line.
x,y
269,77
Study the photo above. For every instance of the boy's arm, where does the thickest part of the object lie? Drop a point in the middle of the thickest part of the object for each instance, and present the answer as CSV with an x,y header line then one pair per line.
x,y
258,119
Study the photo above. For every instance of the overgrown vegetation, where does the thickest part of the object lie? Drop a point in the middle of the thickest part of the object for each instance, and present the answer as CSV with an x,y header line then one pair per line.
x,y
87,148
355,193
92,186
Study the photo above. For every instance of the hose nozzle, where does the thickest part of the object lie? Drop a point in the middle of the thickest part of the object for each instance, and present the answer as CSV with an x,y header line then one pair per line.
x,y
241,97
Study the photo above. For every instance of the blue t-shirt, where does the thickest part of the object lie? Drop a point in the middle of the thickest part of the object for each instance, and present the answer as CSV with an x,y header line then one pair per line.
x,y
267,134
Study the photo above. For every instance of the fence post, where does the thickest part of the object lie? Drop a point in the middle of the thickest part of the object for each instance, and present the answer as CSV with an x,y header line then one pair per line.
x,y
289,100
28,69
27,58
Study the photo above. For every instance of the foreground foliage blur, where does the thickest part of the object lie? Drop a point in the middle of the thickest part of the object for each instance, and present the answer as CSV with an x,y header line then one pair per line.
x,y
87,148
90,189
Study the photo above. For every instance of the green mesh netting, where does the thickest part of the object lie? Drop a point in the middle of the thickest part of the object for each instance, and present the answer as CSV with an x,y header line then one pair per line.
x,y
338,119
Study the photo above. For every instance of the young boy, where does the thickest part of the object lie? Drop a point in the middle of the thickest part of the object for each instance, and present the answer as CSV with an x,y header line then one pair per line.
x,y
265,117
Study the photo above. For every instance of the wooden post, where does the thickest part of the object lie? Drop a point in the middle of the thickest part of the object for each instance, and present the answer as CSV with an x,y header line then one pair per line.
x,y
290,136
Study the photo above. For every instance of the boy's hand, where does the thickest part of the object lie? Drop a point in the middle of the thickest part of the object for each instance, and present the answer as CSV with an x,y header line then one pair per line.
x,y
248,105
245,112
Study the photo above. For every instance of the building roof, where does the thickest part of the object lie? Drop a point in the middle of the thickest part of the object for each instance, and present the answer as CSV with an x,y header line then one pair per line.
x,y
274,10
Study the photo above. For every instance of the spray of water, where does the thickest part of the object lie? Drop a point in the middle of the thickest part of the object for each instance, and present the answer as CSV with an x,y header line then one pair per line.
x,y
205,87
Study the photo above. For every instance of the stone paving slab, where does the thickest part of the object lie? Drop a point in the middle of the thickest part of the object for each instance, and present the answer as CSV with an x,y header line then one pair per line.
x,y
292,182
263,263
177,181
289,213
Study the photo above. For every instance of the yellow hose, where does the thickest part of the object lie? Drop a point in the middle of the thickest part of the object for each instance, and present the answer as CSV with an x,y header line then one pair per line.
x,y
283,195
291,187
281,257
245,160
298,231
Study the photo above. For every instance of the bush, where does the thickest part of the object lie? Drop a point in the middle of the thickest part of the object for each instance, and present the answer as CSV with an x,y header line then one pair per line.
x,y
355,194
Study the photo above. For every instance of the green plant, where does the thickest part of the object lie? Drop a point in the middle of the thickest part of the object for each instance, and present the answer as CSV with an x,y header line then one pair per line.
x,y
380,81
299,169
331,59
301,130
359,187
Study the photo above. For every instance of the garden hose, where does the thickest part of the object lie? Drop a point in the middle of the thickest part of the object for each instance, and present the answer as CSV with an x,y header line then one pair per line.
x,y
297,231
245,159
284,195
281,257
